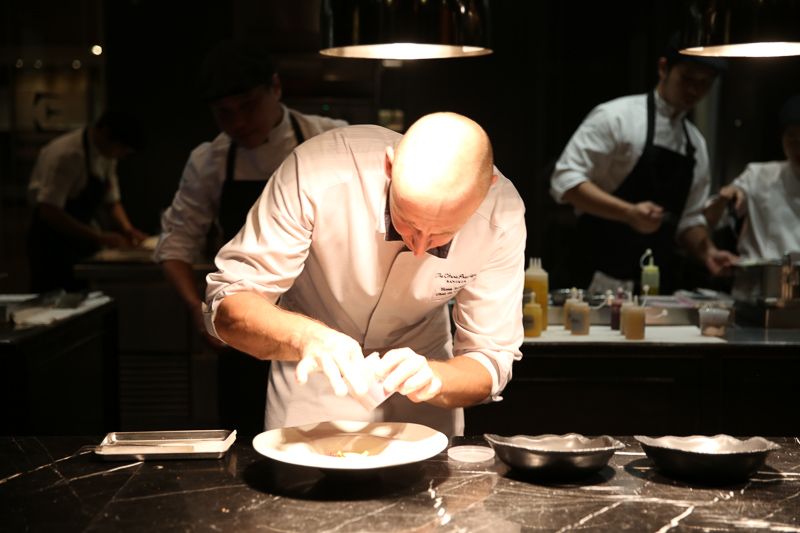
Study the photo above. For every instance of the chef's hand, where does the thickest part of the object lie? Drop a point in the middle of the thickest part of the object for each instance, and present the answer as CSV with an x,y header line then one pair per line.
x,y
732,194
135,236
719,262
334,354
112,239
408,373
645,217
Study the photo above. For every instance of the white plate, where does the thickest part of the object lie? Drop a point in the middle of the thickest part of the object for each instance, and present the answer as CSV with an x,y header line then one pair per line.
x,y
386,444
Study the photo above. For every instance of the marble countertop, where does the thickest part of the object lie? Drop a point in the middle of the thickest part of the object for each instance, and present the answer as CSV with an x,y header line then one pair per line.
x,y
46,486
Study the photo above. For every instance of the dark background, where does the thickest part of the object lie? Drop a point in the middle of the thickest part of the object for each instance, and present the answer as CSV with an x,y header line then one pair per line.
x,y
553,61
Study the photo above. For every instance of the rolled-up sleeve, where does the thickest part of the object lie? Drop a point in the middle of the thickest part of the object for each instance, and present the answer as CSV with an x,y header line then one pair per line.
x,y
488,311
186,222
589,154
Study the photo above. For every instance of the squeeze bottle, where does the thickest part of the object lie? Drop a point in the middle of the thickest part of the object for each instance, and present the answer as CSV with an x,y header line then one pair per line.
x,y
650,274
634,321
532,317
579,317
536,281
572,300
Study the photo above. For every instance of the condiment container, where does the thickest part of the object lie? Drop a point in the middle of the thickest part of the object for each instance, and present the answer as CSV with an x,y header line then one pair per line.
x,y
651,276
572,300
532,317
634,321
537,282
579,318
713,321
622,311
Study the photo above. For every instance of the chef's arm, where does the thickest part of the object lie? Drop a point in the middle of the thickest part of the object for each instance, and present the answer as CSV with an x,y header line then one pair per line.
x,y
119,218
715,206
644,217
252,324
465,382
62,221
698,243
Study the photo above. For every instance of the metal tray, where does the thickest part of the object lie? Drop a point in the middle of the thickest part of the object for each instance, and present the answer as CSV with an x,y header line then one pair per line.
x,y
144,445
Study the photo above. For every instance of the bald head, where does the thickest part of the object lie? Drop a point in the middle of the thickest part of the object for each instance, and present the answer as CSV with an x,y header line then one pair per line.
x,y
443,155
441,172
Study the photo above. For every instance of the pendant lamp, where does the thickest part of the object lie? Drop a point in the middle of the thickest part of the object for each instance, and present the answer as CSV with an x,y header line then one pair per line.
x,y
404,29
741,28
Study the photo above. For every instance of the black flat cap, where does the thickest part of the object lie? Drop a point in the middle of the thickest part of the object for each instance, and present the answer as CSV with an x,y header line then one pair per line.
x,y
672,53
234,66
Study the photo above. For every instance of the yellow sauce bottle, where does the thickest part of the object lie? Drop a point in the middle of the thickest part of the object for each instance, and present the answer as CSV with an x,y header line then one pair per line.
x,y
536,280
532,317
650,274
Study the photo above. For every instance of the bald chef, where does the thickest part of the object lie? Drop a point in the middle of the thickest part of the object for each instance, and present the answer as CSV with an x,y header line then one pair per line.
x,y
365,235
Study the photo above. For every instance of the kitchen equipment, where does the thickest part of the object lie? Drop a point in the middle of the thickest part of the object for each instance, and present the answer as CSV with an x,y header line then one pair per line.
x,y
767,292
721,458
713,320
566,457
351,446
145,445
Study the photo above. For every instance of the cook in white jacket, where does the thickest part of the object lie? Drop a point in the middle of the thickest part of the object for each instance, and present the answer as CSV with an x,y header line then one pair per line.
x,y
365,235
768,195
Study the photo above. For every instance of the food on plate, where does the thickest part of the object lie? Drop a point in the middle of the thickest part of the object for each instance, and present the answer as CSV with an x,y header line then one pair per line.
x,y
349,454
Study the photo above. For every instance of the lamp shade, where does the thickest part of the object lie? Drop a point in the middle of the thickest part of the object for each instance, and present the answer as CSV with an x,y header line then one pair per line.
x,y
404,29
741,28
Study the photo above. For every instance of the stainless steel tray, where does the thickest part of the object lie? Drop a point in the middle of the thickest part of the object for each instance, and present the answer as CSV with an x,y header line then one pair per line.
x,y
144,445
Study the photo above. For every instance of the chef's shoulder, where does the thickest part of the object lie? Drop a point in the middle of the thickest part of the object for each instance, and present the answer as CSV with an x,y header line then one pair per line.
x,y
312,125
615,119
67,146
503,207
759,177
211,153
349,145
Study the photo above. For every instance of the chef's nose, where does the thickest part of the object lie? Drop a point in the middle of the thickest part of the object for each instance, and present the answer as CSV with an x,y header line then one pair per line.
x,y
420,242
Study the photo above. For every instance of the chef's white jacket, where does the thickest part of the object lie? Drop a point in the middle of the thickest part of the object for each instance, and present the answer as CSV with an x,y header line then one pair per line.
x,y
773,210
60,174
316,238
607,145
186,222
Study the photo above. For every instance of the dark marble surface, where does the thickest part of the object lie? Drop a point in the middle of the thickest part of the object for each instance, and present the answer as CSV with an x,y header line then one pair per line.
x,y
46,486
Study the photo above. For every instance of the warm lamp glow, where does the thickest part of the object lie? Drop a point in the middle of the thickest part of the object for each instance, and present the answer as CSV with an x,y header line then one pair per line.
x,y
401,30
97,49
746,50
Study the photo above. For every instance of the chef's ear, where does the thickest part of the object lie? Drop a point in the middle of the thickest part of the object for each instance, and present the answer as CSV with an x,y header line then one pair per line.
x,y
388,160
494,180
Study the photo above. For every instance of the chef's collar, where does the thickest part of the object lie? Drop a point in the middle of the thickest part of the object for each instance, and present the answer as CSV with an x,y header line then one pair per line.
x,y
392,234
666,109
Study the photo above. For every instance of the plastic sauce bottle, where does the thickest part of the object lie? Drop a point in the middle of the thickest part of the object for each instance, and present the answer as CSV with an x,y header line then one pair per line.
x,y
623,309
536,281
615,307
634,321
579,318
650,274
532,317
572,300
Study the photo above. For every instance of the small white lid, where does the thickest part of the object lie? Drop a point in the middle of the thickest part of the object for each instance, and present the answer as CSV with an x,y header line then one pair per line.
x,y
471,454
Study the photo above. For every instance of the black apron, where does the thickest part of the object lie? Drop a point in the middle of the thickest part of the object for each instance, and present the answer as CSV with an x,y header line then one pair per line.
x,y
661,176
53,254
238,196
242,379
